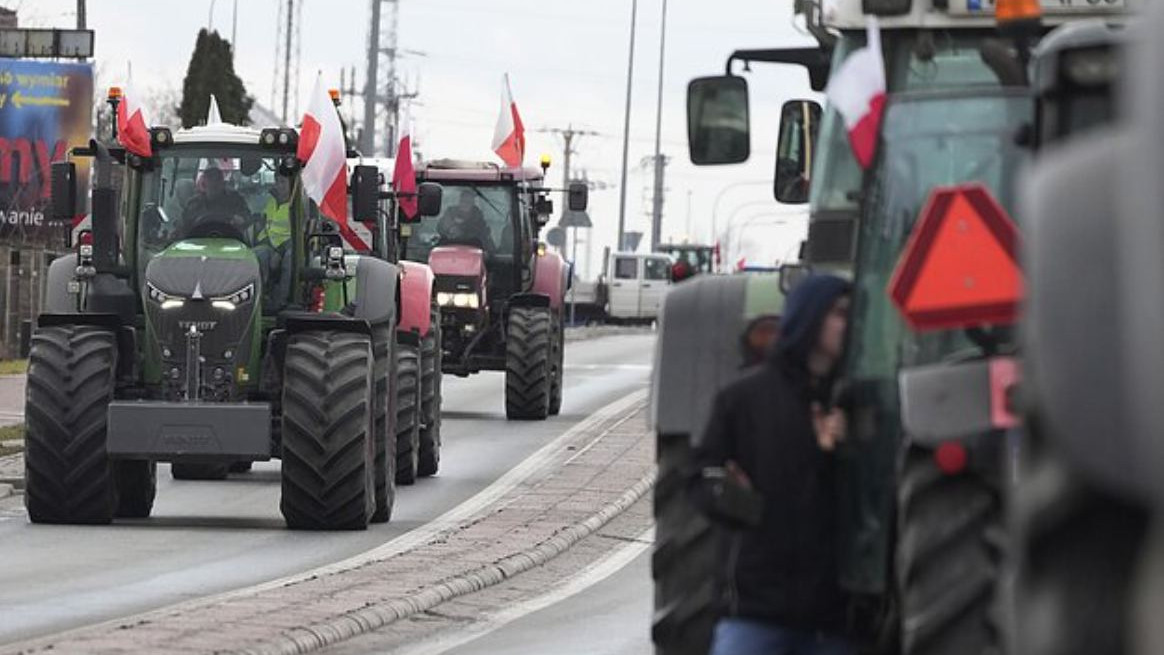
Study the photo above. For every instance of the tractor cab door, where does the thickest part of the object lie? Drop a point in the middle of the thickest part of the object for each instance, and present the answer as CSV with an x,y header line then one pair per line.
x,y
655,283
624,286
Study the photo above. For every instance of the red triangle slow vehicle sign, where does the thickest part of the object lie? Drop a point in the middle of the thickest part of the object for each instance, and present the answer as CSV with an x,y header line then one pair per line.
x,y
960,267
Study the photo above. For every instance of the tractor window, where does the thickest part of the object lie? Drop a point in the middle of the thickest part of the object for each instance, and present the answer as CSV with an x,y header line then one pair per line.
x,y
197,193
657,268
929,141
473,215
626,268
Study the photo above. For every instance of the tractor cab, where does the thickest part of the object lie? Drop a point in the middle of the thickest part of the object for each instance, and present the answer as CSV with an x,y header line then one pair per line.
x,y
690,260
1074,73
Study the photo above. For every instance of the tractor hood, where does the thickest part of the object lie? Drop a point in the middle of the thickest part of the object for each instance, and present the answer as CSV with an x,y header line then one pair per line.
x,y
203,268
460,261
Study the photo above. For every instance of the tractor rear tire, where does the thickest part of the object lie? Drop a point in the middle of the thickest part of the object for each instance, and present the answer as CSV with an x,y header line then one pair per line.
x,y
407,413
1080,556
687,559
199,470
328,454
528,363
384,422
71,378
430,399
949,558
557,363
136,483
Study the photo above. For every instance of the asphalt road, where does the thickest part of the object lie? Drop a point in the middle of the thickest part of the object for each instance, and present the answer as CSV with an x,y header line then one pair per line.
x,y
613,617
210,537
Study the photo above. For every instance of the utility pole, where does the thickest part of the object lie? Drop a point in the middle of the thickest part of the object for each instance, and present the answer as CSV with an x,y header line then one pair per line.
x,y
630,77
660,162
287,50
82,15
569,134
371,87
234,29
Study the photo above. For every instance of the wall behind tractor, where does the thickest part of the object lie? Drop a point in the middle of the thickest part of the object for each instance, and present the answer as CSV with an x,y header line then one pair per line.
x,y
23,272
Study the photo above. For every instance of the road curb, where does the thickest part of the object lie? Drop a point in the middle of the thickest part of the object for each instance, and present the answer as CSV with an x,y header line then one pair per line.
x,y
355,624
6,490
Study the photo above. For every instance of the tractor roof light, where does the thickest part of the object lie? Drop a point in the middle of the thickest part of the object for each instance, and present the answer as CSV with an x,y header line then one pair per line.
x,y
162,136
335,96
1018,14
114,94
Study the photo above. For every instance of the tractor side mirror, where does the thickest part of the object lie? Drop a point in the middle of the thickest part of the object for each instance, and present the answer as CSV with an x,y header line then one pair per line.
x,y
578,196
544,207
366,194
64,191
717,120
429,198
799,124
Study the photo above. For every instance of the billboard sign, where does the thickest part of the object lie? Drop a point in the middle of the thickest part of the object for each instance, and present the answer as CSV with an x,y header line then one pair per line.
x,y
46,108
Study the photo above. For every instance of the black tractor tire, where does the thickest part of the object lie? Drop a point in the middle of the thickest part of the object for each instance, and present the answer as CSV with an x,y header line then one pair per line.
x,y
241,467
71,380
407,413
528,359
328,454
950,546
1079,557
687,560
199,470
557,364
136,483
384,422
430,399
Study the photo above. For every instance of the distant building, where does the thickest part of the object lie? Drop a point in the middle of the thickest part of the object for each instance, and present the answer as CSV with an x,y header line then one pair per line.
x,y
8,17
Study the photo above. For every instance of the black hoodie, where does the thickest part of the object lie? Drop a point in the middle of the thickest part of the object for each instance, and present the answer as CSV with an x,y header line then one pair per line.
x,y
784,571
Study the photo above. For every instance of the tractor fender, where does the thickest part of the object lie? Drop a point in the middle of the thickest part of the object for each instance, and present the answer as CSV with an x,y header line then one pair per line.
x,y
529,300
377,291
57,299
416,282
294,322
550,278
126,335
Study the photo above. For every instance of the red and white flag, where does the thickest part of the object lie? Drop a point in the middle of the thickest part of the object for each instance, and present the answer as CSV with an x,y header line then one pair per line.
x,y
133,124
857,90
509,135
404,174
324,155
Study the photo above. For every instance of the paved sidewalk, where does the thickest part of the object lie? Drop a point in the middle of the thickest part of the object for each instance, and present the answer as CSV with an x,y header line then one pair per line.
x,y
583,482
11,399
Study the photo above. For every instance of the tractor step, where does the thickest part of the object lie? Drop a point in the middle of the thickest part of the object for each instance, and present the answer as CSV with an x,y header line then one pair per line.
x,y
167,431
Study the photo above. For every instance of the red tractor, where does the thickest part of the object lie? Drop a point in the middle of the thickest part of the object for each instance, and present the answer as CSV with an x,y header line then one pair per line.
x,y
499,290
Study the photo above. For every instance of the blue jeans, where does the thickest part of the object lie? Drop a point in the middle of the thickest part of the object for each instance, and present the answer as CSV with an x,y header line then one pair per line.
x,y
736,636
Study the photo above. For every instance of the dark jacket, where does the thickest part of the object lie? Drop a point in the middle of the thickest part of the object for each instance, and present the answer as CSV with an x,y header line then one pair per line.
x,y
785,570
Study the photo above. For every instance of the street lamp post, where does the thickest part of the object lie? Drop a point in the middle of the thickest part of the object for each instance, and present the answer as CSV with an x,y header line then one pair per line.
x,y
720,196
630,76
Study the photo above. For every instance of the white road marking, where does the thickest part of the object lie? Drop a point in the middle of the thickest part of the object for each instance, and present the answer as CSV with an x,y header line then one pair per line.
x,y
571,586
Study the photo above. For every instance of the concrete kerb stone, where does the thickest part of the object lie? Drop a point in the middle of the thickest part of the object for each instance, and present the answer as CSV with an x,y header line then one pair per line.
x,y
328,633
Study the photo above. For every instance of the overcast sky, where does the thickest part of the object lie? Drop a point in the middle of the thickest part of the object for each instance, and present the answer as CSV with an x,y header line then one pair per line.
x,y
567,62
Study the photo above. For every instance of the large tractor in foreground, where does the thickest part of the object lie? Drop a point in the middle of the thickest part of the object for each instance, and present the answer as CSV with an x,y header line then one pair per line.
x,y
500,292
181,330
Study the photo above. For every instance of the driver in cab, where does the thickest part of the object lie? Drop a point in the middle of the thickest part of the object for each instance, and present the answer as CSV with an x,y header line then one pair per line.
x,y
214,201
464,223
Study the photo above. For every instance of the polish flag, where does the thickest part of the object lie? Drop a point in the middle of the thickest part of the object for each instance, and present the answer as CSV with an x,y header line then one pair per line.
x,y
404,175
133,124
857,90
324,155
509,135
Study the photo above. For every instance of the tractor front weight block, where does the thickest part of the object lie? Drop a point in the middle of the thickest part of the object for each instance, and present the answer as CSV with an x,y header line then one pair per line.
x,y
169,431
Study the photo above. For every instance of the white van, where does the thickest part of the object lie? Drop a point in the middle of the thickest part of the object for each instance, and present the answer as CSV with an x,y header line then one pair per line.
x,y
637,284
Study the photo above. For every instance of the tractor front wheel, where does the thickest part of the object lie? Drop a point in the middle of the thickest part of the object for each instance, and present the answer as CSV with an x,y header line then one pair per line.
x,y
137,485
71,376
328,454
430,398
528,363
384,430
407,413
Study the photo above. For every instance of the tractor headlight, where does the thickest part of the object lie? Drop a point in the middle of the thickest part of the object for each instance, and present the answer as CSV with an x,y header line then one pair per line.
x,y
459,300
231,301
166,300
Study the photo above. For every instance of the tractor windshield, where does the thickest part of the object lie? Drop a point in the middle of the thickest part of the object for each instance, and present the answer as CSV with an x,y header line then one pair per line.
x,y
929,140
477,215
201,192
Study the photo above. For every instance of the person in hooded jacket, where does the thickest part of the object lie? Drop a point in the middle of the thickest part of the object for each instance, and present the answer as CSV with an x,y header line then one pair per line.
x,y
773,432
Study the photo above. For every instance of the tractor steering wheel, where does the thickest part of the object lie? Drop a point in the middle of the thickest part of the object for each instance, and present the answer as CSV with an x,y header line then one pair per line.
x,y
214,226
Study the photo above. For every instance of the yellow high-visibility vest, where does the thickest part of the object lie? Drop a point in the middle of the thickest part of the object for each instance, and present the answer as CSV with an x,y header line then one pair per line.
x,y
278,229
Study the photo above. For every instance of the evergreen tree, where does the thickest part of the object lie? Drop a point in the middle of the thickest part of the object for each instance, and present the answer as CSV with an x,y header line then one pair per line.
x,y
211,70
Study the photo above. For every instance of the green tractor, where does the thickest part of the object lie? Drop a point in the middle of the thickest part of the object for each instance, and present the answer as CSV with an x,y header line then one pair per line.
x,y
188,328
